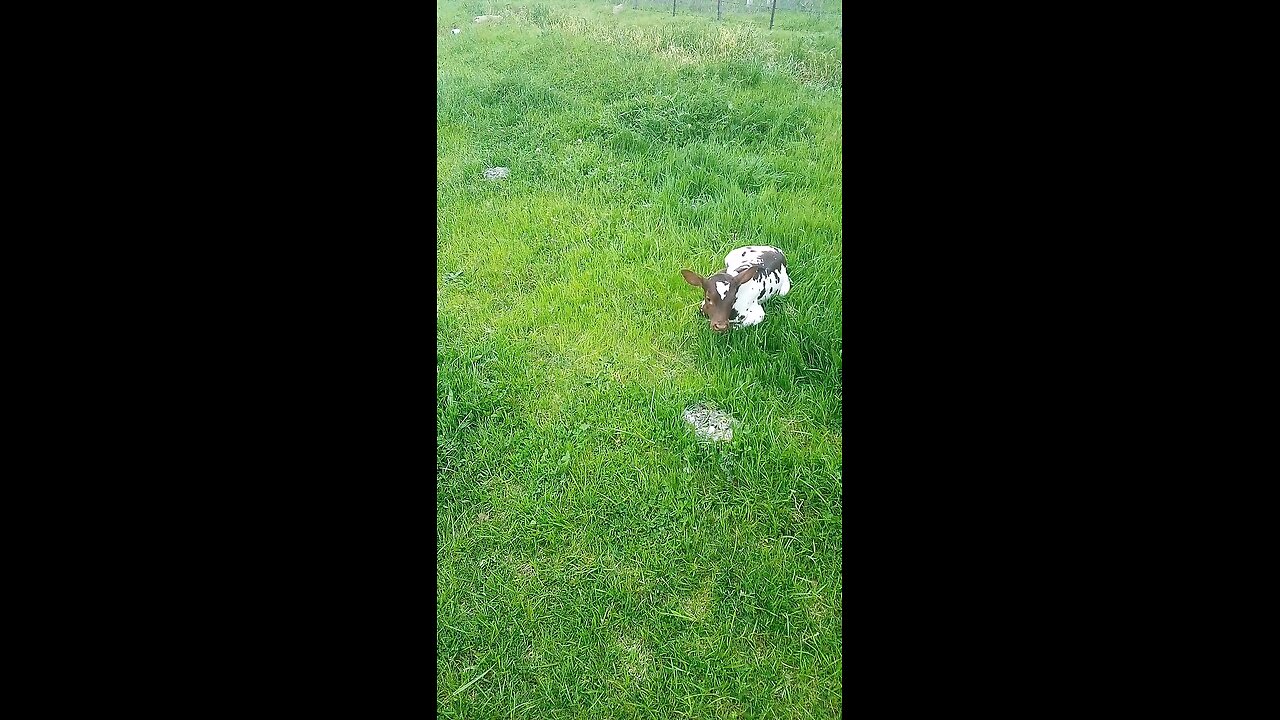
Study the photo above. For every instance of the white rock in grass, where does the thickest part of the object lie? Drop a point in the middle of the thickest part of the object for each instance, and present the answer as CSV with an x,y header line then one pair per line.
x,y
618,8
496,173
456,31
487,18
709,423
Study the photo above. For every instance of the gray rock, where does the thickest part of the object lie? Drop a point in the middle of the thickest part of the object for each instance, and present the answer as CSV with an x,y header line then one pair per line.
x,y
709,423
496,173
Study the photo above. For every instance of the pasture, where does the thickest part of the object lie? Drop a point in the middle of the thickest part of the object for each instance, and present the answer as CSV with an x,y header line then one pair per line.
x,y
595,558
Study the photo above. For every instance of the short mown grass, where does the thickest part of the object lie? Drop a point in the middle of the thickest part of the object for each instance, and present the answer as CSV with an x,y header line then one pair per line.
x,y
594,558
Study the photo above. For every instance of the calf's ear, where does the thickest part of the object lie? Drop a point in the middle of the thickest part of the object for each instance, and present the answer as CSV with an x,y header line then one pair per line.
x,y
745,275
692,278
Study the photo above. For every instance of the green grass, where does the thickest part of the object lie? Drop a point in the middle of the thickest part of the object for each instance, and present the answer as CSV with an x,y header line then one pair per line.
x,y
594,559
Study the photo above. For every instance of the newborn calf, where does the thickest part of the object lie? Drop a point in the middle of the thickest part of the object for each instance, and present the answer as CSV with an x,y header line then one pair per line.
x,y
751,275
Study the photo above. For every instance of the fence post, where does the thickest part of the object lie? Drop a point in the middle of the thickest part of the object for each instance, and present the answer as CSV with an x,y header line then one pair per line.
x,y
717,9
772,10
673,8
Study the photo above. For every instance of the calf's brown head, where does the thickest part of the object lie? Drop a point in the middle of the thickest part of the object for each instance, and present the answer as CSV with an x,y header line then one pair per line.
x,y
719,292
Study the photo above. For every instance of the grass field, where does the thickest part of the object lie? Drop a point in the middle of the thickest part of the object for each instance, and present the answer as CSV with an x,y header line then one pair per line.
x,y
594,558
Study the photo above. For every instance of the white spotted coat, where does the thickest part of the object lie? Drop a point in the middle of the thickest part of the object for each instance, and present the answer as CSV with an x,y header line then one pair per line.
x,y
751,294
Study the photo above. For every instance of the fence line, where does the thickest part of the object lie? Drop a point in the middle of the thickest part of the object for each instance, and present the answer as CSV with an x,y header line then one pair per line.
x,y
821,8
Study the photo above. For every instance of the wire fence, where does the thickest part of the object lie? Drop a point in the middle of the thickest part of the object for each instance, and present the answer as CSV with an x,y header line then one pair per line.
x,y
826,12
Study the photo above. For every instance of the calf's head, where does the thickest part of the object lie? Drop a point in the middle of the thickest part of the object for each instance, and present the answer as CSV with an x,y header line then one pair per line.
x,y
719,291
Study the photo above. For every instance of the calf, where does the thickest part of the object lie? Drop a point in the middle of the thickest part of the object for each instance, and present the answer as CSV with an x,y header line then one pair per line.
x,y
751,275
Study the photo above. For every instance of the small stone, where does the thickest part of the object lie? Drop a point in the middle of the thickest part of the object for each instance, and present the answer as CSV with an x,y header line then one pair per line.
x,y
710,423
496,173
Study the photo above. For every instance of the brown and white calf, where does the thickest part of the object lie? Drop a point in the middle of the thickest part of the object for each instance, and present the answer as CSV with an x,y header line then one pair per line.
x,y
735,295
